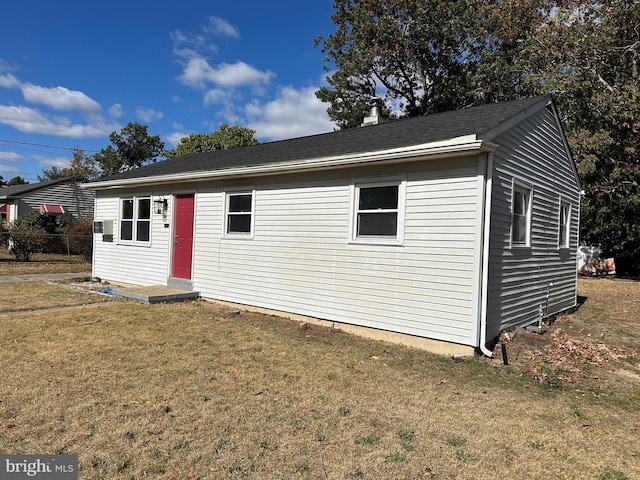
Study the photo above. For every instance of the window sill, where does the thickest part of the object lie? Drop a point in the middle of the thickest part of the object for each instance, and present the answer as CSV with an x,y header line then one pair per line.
x,y
238,236
387,242
133,244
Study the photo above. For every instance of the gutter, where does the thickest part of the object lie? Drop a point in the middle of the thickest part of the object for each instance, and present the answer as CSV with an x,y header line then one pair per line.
x,y
485,258
465,145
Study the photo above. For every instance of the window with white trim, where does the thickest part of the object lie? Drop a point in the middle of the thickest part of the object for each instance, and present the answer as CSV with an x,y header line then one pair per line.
x,y
377,214
520,216
135,220
239,213
564,224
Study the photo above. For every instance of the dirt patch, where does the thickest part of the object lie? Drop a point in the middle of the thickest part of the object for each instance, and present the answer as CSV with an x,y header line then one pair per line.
x,y
596,348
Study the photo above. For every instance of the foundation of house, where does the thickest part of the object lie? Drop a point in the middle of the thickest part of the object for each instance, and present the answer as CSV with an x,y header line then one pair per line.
x,y
434,346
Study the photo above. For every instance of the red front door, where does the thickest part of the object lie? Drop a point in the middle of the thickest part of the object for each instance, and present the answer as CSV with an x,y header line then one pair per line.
x,y
183,237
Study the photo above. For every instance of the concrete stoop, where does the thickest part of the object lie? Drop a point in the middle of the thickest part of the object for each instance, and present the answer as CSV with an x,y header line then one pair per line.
x,y
154,294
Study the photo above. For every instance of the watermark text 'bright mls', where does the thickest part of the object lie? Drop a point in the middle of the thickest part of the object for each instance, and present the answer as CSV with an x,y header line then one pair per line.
x,y
54,467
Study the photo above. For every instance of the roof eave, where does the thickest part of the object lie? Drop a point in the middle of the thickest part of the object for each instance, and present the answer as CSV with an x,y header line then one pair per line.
x,y
522,115
459,146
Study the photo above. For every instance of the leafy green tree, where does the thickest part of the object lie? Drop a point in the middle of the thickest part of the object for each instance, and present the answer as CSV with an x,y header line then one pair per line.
x,y
429,56
422,56
18,180
82,167
132,147
587,54
2,182
222,139
52,173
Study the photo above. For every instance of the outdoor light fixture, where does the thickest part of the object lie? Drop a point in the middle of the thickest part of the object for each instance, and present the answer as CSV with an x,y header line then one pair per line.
x,y
160,206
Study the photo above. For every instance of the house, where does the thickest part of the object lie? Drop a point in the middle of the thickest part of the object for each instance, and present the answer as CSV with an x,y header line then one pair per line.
x,y
62,196
443,229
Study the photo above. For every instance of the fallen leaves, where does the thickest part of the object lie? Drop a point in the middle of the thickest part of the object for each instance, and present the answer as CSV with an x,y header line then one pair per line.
x,y
573,350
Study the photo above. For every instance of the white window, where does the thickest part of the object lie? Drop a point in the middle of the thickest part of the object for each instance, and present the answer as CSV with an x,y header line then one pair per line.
x,y
378,212
564,225
239,213
520,216
135,220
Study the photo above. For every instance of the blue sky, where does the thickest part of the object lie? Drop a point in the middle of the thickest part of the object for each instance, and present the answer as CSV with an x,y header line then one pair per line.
x,y
72,72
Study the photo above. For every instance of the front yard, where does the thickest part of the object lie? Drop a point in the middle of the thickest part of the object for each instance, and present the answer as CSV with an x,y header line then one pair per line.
x,y
43,263
201,391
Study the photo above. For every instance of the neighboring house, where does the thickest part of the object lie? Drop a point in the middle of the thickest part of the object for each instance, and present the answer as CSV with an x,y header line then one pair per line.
x,y
60,197
450,227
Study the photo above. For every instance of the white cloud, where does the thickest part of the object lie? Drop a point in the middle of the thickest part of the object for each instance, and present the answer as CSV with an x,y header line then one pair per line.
x,y
294,113
10,169
215,96
220,26
198,73
195,72
174,138
59,98
239,74
31,120
148,115
48,162
115,110
185,44
215,80
9,156
9,81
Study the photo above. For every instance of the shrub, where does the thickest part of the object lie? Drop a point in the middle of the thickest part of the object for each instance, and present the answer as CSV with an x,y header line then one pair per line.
x,y
80,240
4,235
36,233
26,237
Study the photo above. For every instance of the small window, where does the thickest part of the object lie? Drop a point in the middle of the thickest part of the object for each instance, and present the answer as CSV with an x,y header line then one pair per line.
x,y
126,220
135,220
564,225
239,213
521,216
143,222
377,212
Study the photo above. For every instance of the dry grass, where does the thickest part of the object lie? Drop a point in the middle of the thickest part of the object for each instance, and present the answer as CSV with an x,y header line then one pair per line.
x,y
193,391
21,296
43,263
596,349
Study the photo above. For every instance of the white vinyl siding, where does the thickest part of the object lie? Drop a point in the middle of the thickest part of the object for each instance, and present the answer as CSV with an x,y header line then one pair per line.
x,y
301,259
542,278
113,260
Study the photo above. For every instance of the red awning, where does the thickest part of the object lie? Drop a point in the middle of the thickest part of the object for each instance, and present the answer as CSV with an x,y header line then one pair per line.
x,y
52,208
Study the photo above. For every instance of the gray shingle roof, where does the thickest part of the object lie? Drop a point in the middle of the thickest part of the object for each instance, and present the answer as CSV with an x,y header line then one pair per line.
x,y
402,133
17,190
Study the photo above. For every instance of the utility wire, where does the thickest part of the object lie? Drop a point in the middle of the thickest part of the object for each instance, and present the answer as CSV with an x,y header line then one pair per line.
x,y
47,146
34,150
13,172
